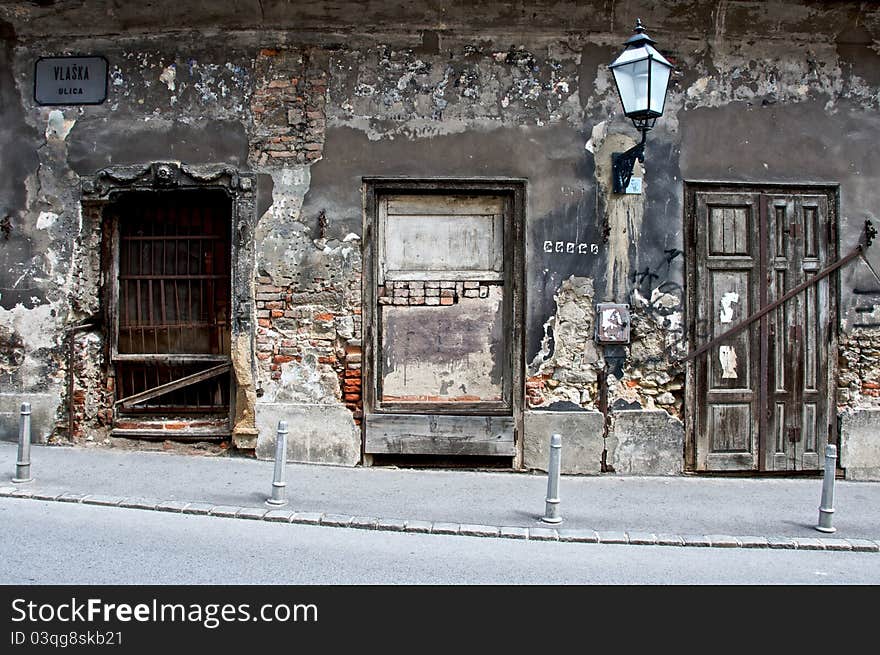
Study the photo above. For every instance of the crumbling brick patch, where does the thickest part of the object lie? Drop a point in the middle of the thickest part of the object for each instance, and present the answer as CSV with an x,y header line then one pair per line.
x,y
92,391
567,367
316,329
288,107
644,373
653,376
859,368
431,292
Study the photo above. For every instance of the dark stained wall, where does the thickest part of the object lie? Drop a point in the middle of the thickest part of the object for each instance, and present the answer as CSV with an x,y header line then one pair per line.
x,y
315,96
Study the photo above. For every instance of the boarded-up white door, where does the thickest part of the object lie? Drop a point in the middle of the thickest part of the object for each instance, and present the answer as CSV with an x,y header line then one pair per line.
x,y
443,347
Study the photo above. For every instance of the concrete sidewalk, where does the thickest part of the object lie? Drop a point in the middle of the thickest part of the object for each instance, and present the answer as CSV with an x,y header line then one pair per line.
x,y
686,511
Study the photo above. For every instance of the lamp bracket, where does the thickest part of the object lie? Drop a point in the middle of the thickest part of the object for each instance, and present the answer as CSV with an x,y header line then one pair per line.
x,y
622,164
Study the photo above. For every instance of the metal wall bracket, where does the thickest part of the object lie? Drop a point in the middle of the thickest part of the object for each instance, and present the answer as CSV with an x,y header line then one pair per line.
x,y
622,164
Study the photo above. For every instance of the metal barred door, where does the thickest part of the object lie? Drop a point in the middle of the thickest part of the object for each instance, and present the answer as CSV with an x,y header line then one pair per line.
x,y
762,397
171,341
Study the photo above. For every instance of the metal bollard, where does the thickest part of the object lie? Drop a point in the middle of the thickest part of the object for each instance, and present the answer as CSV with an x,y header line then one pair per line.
x,y
279,486
826,506
551,510
23,462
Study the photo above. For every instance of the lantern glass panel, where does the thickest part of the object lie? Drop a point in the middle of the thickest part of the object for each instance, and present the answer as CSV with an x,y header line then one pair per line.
x,y
659,82
632,84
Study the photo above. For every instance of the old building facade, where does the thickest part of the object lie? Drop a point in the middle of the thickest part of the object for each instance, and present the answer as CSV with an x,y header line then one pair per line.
x,y
392,225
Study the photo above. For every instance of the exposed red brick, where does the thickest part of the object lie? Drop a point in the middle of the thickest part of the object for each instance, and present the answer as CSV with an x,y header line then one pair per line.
x,y
131,425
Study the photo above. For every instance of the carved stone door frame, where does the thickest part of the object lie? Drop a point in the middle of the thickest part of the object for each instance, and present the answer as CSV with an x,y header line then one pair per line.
x,y
101,189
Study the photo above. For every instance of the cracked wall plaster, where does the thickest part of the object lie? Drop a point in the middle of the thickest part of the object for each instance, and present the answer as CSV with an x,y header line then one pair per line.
x,y
470,92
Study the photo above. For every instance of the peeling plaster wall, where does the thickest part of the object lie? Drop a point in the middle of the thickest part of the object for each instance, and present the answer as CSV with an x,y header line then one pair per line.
x,y
314,97
167,99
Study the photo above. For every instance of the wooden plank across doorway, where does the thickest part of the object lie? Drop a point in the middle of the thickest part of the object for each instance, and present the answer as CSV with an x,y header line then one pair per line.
x,y
180,383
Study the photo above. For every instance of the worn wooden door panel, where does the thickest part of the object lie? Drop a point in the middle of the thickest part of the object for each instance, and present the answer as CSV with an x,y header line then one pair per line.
x,y
453,354
799,332
726,377
422,237
420,434
762,398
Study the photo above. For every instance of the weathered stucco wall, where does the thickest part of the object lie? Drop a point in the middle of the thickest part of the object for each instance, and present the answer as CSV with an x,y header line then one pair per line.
x,y
312,100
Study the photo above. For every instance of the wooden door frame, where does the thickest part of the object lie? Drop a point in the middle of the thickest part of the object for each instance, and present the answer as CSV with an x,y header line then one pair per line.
x,y
690,189
512,188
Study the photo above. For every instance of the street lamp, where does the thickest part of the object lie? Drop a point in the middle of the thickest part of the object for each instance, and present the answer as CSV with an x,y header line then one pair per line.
x,y
641,75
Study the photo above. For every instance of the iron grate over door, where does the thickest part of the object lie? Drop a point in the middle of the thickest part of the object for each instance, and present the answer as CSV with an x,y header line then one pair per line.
x,y
172,344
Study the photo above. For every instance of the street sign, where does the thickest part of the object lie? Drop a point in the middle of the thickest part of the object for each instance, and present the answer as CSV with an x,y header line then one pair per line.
x,y
70,80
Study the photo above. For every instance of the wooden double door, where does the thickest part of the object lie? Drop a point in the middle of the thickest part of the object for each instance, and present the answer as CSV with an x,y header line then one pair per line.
x,y
761,400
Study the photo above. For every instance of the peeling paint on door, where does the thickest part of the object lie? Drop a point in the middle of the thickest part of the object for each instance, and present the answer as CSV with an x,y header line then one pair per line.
x,y
727,359
727,301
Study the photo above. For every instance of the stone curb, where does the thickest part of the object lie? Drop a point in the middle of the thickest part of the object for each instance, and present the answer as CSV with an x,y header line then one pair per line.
x,y
412,526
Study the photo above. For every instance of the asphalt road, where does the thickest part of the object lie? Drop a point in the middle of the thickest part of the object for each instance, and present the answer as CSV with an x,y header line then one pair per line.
x,y
65,543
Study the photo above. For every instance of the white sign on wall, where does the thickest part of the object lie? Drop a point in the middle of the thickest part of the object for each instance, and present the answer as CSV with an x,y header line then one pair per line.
x,y
70,80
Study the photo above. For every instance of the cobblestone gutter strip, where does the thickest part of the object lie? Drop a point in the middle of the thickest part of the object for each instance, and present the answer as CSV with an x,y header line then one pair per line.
x,y
459,529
